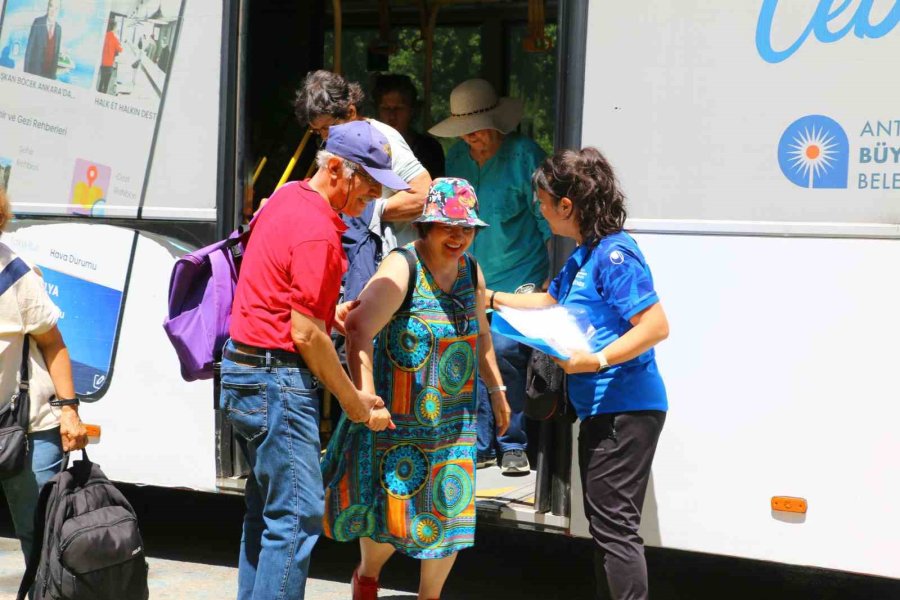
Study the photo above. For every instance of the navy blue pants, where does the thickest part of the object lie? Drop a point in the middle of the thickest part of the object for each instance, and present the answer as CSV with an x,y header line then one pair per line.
x,y
512,358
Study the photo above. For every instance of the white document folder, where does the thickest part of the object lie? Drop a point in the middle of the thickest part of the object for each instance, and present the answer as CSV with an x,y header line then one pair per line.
x,y
555,330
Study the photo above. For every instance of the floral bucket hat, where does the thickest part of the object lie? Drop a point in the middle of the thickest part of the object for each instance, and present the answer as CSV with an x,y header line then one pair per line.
x,y
451,201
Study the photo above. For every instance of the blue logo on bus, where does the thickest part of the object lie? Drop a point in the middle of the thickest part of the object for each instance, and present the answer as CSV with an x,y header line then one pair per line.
x,y
814,152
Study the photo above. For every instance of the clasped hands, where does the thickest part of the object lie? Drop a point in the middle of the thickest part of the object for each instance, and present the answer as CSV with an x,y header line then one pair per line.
x,y
378,418
369,409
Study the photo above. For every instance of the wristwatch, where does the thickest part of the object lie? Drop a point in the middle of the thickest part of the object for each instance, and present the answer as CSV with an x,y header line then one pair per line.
x,y
60,402
601,358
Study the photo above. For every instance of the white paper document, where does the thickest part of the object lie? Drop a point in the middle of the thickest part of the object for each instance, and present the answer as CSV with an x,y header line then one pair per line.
x,y
556,330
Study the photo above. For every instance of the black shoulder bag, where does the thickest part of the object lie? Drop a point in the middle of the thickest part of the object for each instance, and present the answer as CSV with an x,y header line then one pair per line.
x,y
15,415
546,384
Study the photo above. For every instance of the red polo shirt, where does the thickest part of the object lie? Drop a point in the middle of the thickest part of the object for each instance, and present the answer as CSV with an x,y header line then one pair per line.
x,y
294,260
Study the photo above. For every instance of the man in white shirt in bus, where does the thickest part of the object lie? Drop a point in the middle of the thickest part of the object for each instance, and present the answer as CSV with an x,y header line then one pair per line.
x,y
327,99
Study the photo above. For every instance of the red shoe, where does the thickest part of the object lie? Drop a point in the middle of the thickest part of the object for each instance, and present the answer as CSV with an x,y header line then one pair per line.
x,y
363,588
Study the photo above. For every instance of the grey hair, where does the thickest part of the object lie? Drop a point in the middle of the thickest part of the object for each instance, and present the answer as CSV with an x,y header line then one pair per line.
x,y
323,156
326,93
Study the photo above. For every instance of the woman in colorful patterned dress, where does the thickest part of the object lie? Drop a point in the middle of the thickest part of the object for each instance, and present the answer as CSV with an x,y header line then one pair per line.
x,y
407,482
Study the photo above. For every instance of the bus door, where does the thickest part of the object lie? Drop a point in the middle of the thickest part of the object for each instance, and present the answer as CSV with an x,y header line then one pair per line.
x,y
513,46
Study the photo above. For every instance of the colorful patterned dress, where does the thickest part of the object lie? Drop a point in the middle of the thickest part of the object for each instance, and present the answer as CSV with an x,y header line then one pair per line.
x,y
414,486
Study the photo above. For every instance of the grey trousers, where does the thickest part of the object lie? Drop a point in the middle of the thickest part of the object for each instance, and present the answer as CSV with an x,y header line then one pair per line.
x,y
615,452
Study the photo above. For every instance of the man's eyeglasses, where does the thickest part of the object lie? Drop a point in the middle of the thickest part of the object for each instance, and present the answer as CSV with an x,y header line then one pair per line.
x,y
365,177
322,130
460,317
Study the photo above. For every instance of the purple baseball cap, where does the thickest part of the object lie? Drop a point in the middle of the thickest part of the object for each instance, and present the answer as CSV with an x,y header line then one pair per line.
x,y
360,142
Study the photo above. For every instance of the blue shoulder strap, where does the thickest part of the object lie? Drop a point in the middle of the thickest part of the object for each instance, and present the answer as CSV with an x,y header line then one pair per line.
x,y
12,273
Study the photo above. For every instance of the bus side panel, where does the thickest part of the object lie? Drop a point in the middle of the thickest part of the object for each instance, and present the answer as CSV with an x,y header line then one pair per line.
x,y
781,370
782,379
157,429
729,129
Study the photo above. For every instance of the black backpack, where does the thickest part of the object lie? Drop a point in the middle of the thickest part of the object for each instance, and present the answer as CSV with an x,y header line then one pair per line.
x,y
87,545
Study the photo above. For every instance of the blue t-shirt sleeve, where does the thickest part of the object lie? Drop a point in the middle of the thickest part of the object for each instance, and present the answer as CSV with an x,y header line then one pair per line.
x,y
624,280
553,290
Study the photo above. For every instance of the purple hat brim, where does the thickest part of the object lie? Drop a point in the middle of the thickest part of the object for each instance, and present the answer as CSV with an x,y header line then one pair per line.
x,y
387,178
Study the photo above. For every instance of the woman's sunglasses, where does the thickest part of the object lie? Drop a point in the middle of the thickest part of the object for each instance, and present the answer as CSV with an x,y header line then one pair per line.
x,y
460,316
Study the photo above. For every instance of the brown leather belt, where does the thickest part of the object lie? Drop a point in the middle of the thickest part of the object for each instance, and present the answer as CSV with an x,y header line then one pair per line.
x,y
263,357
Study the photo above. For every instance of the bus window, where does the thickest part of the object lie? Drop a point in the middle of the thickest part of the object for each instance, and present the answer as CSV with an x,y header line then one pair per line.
x,y
531,76
457,57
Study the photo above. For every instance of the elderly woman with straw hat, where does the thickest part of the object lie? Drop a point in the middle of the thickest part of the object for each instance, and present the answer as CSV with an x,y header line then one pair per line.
x,y
418,338
513,252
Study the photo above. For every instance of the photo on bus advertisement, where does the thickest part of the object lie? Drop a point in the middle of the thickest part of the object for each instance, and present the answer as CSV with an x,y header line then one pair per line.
x,y
52,39
5,170
138,47
118,47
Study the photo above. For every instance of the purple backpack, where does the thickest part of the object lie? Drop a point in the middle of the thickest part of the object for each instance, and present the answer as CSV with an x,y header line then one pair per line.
x,y
201,292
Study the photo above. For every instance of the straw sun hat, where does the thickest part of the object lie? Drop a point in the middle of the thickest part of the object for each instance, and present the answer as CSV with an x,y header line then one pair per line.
x,y
474,105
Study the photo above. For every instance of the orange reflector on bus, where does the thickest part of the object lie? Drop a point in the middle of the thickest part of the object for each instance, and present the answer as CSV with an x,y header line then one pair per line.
x,y
789,504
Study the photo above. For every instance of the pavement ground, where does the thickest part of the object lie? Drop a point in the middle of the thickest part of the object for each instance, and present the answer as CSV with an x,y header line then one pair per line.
x,y
192,539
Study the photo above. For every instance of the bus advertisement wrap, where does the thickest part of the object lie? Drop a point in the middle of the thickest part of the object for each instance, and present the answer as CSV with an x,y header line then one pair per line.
x,y
81,90
773,96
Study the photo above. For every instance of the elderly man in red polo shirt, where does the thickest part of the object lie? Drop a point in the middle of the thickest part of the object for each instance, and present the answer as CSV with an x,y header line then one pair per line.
x,y
280,349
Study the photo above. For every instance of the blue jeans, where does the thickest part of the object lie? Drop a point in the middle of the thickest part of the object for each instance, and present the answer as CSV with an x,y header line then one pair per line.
x,y
512,358
44,460
275,412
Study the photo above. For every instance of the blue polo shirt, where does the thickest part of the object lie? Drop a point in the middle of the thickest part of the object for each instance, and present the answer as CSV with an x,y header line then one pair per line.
x,y
513,250
612,282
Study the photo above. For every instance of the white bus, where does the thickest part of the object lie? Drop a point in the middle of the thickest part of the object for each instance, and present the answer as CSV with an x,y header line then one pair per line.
x,y
758,144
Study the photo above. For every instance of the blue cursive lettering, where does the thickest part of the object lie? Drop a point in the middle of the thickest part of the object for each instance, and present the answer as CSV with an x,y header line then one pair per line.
x,y
826,12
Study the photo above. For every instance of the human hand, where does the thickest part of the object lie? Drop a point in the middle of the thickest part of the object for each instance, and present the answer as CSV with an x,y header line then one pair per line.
x,y
501,410
72,431
359,410
579,361
380,419
340,315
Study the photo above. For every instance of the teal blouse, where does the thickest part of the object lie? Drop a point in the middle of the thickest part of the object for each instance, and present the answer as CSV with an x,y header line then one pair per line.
x,y
513,250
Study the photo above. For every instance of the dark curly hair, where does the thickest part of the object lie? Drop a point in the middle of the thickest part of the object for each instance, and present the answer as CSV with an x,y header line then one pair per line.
x,y
326,93
586,178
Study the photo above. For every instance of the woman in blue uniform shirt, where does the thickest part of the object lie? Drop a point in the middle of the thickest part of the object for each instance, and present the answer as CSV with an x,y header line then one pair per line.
x,y
616,389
